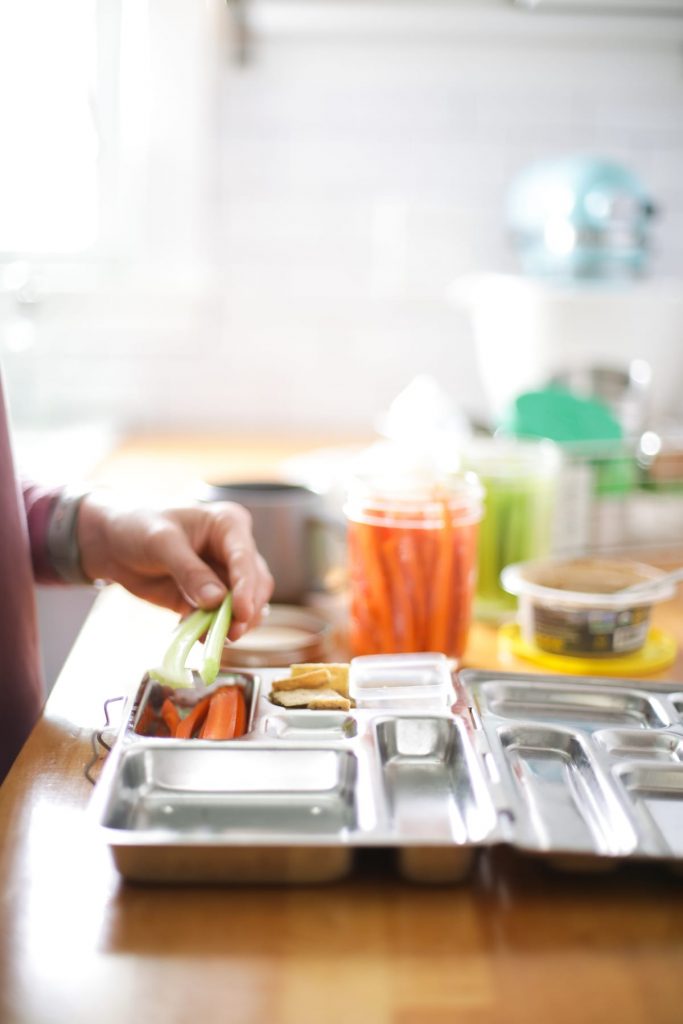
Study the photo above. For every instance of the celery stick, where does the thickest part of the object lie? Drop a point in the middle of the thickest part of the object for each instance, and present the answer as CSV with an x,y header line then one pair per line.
x,y
213,645
172,670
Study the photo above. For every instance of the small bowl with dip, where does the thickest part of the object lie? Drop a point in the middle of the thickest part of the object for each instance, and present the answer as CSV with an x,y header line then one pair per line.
x,y
581,607
287,634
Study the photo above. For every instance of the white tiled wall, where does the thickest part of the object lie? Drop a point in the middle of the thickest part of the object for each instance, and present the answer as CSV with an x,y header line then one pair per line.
x,y
325,195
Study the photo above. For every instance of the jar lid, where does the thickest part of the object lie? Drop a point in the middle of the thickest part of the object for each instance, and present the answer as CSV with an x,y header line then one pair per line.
x,y
416,500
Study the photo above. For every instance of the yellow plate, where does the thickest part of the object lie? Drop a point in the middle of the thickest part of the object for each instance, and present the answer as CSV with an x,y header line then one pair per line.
x,y
658,652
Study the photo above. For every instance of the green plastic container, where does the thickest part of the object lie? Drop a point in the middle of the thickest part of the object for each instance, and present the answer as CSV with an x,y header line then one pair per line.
x,y
520,481
585,427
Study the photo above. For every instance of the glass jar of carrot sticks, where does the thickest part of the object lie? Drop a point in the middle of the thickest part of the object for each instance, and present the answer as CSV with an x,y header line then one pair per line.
x,y
412,564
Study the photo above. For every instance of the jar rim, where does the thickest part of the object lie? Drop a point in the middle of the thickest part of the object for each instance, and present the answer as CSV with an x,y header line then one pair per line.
x,y
415,503
509,457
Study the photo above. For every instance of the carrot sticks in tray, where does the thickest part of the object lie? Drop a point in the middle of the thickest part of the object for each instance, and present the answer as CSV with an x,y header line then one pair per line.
x,y
226,716
220,714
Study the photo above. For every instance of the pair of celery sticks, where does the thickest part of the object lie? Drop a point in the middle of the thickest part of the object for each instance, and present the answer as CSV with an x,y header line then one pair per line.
x,y
173,670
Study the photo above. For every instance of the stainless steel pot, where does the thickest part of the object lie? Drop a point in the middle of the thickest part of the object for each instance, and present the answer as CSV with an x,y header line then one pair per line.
x,y
292,530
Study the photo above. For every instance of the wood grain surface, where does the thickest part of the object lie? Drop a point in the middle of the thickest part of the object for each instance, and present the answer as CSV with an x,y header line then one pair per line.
x,y
517,943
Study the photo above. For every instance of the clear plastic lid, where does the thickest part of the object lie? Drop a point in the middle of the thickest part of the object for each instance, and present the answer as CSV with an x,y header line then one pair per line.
x,y
396,679
587,582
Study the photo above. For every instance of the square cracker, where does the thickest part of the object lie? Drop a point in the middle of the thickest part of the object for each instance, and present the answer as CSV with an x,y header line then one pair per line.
x,y
316,679
290,698
316,700
339,673
328,700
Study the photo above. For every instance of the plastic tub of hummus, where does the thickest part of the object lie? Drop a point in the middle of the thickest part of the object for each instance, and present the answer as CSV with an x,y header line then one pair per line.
x,y
579,607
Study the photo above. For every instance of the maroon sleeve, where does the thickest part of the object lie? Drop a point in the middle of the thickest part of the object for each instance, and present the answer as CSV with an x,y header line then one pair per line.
x,y
38,502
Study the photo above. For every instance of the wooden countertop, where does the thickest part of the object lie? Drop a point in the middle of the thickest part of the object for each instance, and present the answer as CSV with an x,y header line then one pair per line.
x,y
518,942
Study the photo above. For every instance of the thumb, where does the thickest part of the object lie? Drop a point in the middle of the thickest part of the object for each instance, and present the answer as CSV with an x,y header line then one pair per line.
x,y
208,593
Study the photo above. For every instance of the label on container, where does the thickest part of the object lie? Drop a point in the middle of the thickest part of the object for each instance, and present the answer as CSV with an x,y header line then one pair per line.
x,y
589,632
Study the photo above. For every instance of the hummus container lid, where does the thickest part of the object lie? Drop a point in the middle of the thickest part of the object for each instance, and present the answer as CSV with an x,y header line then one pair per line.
x,y
587,582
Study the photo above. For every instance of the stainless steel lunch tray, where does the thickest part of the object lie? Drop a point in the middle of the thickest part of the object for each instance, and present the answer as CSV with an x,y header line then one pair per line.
x,y
584,772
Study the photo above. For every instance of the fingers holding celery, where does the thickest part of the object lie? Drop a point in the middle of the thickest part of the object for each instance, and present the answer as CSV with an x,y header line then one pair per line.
x,y
174,670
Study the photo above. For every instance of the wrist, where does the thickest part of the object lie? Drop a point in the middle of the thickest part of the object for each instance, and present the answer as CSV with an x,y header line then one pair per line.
x,y
91,533
63,546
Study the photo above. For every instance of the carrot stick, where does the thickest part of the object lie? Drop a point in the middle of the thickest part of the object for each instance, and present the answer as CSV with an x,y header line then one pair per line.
x,y
417,575
357,636
366,625
187,726
426,543
363,637
169,713
221,719
401,584
241,719
442,582
389,619
373,571
145,720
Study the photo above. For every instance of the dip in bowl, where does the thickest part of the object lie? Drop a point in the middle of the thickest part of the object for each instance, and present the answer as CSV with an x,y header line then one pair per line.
x,y
579,606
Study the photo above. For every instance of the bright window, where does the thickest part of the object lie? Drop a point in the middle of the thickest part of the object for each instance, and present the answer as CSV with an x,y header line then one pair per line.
x,y
49,151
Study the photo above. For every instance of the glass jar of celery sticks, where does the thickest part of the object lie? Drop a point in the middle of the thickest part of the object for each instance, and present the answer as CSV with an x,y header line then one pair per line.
x,y
520,480
412,548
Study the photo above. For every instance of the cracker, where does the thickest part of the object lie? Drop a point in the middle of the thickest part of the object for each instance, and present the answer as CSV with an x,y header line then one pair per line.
x,y
315,700
329,700
293,698
339,673
314,680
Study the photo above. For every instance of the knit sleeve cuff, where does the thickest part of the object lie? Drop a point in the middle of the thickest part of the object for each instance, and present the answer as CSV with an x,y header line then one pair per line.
x,y
39,502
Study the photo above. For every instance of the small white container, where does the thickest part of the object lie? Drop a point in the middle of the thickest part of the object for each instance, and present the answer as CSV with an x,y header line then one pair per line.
x,y
420,681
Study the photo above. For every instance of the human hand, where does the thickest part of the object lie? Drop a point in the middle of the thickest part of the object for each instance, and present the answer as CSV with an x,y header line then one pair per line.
x,y
181,558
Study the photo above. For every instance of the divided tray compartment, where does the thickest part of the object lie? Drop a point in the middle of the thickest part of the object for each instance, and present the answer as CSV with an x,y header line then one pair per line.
x,y
568,702
142,714
320,726
432,788
433,791
564,801
171,808
218,790
592,768
583,772
662,745
656,791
